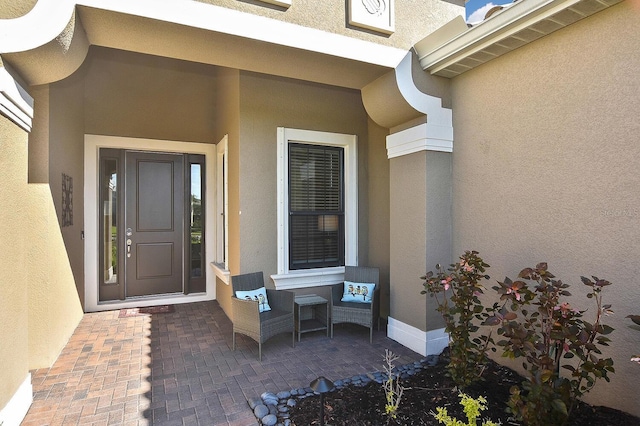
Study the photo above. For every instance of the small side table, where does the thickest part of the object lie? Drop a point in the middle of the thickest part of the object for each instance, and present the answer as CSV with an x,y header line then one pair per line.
x,y
311,314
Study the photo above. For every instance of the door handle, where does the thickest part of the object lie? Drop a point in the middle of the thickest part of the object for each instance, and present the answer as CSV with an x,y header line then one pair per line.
x,y
129,234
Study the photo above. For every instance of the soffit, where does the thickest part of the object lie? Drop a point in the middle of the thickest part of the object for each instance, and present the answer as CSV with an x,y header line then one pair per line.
x,y
168,39
190,31
513,27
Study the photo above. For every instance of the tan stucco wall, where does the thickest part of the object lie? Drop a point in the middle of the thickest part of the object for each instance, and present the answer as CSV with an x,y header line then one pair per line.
x,y
54,305
66,155
15,8
379,192
265,104
546,169
38,295
414,19
14,350
128,94
39,137
227,119
420,232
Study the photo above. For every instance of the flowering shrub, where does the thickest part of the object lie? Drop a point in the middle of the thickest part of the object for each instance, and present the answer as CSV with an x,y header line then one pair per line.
x,y
456,292
550,332
471,407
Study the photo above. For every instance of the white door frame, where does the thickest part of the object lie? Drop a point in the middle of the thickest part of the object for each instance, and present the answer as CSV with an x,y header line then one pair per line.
x,y
92,145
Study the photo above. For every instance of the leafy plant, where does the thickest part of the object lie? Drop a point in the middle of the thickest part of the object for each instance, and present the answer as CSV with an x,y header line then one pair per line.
x,y
456,293
550,333
393,389
471,407
636,321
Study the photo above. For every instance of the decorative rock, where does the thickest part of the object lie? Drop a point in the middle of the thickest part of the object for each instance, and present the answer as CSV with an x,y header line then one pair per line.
x,y
266,395
283,395
253,402
260,411
270,401
269,420
273,409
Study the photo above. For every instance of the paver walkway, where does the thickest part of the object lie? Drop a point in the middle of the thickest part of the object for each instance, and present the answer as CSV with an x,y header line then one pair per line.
x,y
178,369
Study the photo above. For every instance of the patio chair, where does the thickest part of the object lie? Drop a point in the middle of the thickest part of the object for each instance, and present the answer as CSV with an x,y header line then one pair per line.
x,y
364,314
260,326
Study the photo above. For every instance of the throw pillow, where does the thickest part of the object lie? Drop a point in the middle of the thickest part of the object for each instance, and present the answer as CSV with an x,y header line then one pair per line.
x,y
357,292
259,295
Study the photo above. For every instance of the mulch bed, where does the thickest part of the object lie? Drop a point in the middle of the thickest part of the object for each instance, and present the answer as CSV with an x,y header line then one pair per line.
x,y
431,388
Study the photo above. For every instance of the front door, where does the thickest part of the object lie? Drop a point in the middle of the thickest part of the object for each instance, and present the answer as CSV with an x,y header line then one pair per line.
x,y
154,223
152,229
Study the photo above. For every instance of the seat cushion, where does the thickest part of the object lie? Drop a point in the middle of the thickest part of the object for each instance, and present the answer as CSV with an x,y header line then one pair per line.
x,y
259,295
353,305
357,292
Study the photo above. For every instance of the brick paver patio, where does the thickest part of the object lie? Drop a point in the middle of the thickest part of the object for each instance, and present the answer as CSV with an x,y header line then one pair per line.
x,y
178,369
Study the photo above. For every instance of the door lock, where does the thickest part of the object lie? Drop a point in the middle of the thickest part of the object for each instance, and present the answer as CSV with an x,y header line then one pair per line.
x,y
129,233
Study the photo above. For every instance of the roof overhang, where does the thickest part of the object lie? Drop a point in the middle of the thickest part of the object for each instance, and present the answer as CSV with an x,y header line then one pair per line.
x,y
457,48
52,40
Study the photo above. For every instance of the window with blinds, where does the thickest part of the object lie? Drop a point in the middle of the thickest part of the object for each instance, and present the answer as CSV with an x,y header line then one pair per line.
x,y
316,206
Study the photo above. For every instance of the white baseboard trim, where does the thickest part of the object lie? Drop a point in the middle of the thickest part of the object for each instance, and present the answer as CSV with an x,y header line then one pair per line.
x,y
16,409
425,343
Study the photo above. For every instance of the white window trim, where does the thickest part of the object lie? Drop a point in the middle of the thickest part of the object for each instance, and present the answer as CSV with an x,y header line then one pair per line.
x,y
221,263
286,279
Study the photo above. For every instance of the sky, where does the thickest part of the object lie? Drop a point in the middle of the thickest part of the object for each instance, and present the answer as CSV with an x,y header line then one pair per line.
x,y
477,9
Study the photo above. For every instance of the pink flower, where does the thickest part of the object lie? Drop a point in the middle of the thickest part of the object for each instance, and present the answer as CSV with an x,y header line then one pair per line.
x,y
514,291
565,309
446,282
466,267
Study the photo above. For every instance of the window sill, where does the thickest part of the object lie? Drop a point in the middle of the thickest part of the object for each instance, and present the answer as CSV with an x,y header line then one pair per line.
x,y
221,273
308,278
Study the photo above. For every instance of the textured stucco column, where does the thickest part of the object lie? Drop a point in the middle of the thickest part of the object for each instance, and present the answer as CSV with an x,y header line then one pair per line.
x,y
420,235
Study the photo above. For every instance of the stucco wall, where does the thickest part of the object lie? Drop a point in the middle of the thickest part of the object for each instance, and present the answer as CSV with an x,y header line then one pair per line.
x,y
408,183
128,94
227,119
379,193
414,19
14,350
265,104
15,8
420,224
546,169
38,295
54,305
66,156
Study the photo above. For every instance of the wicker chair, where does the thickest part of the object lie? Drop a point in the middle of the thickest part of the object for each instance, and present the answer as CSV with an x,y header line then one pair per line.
x,y
247,318
364,314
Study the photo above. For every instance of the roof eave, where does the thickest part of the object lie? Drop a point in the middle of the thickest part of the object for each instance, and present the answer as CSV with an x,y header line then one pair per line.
x,y
513,27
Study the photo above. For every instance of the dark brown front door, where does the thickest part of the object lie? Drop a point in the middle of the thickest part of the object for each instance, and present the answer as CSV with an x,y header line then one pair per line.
x,y
154,223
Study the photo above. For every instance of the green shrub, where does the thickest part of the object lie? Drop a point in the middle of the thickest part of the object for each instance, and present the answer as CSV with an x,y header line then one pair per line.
x,y
472,408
